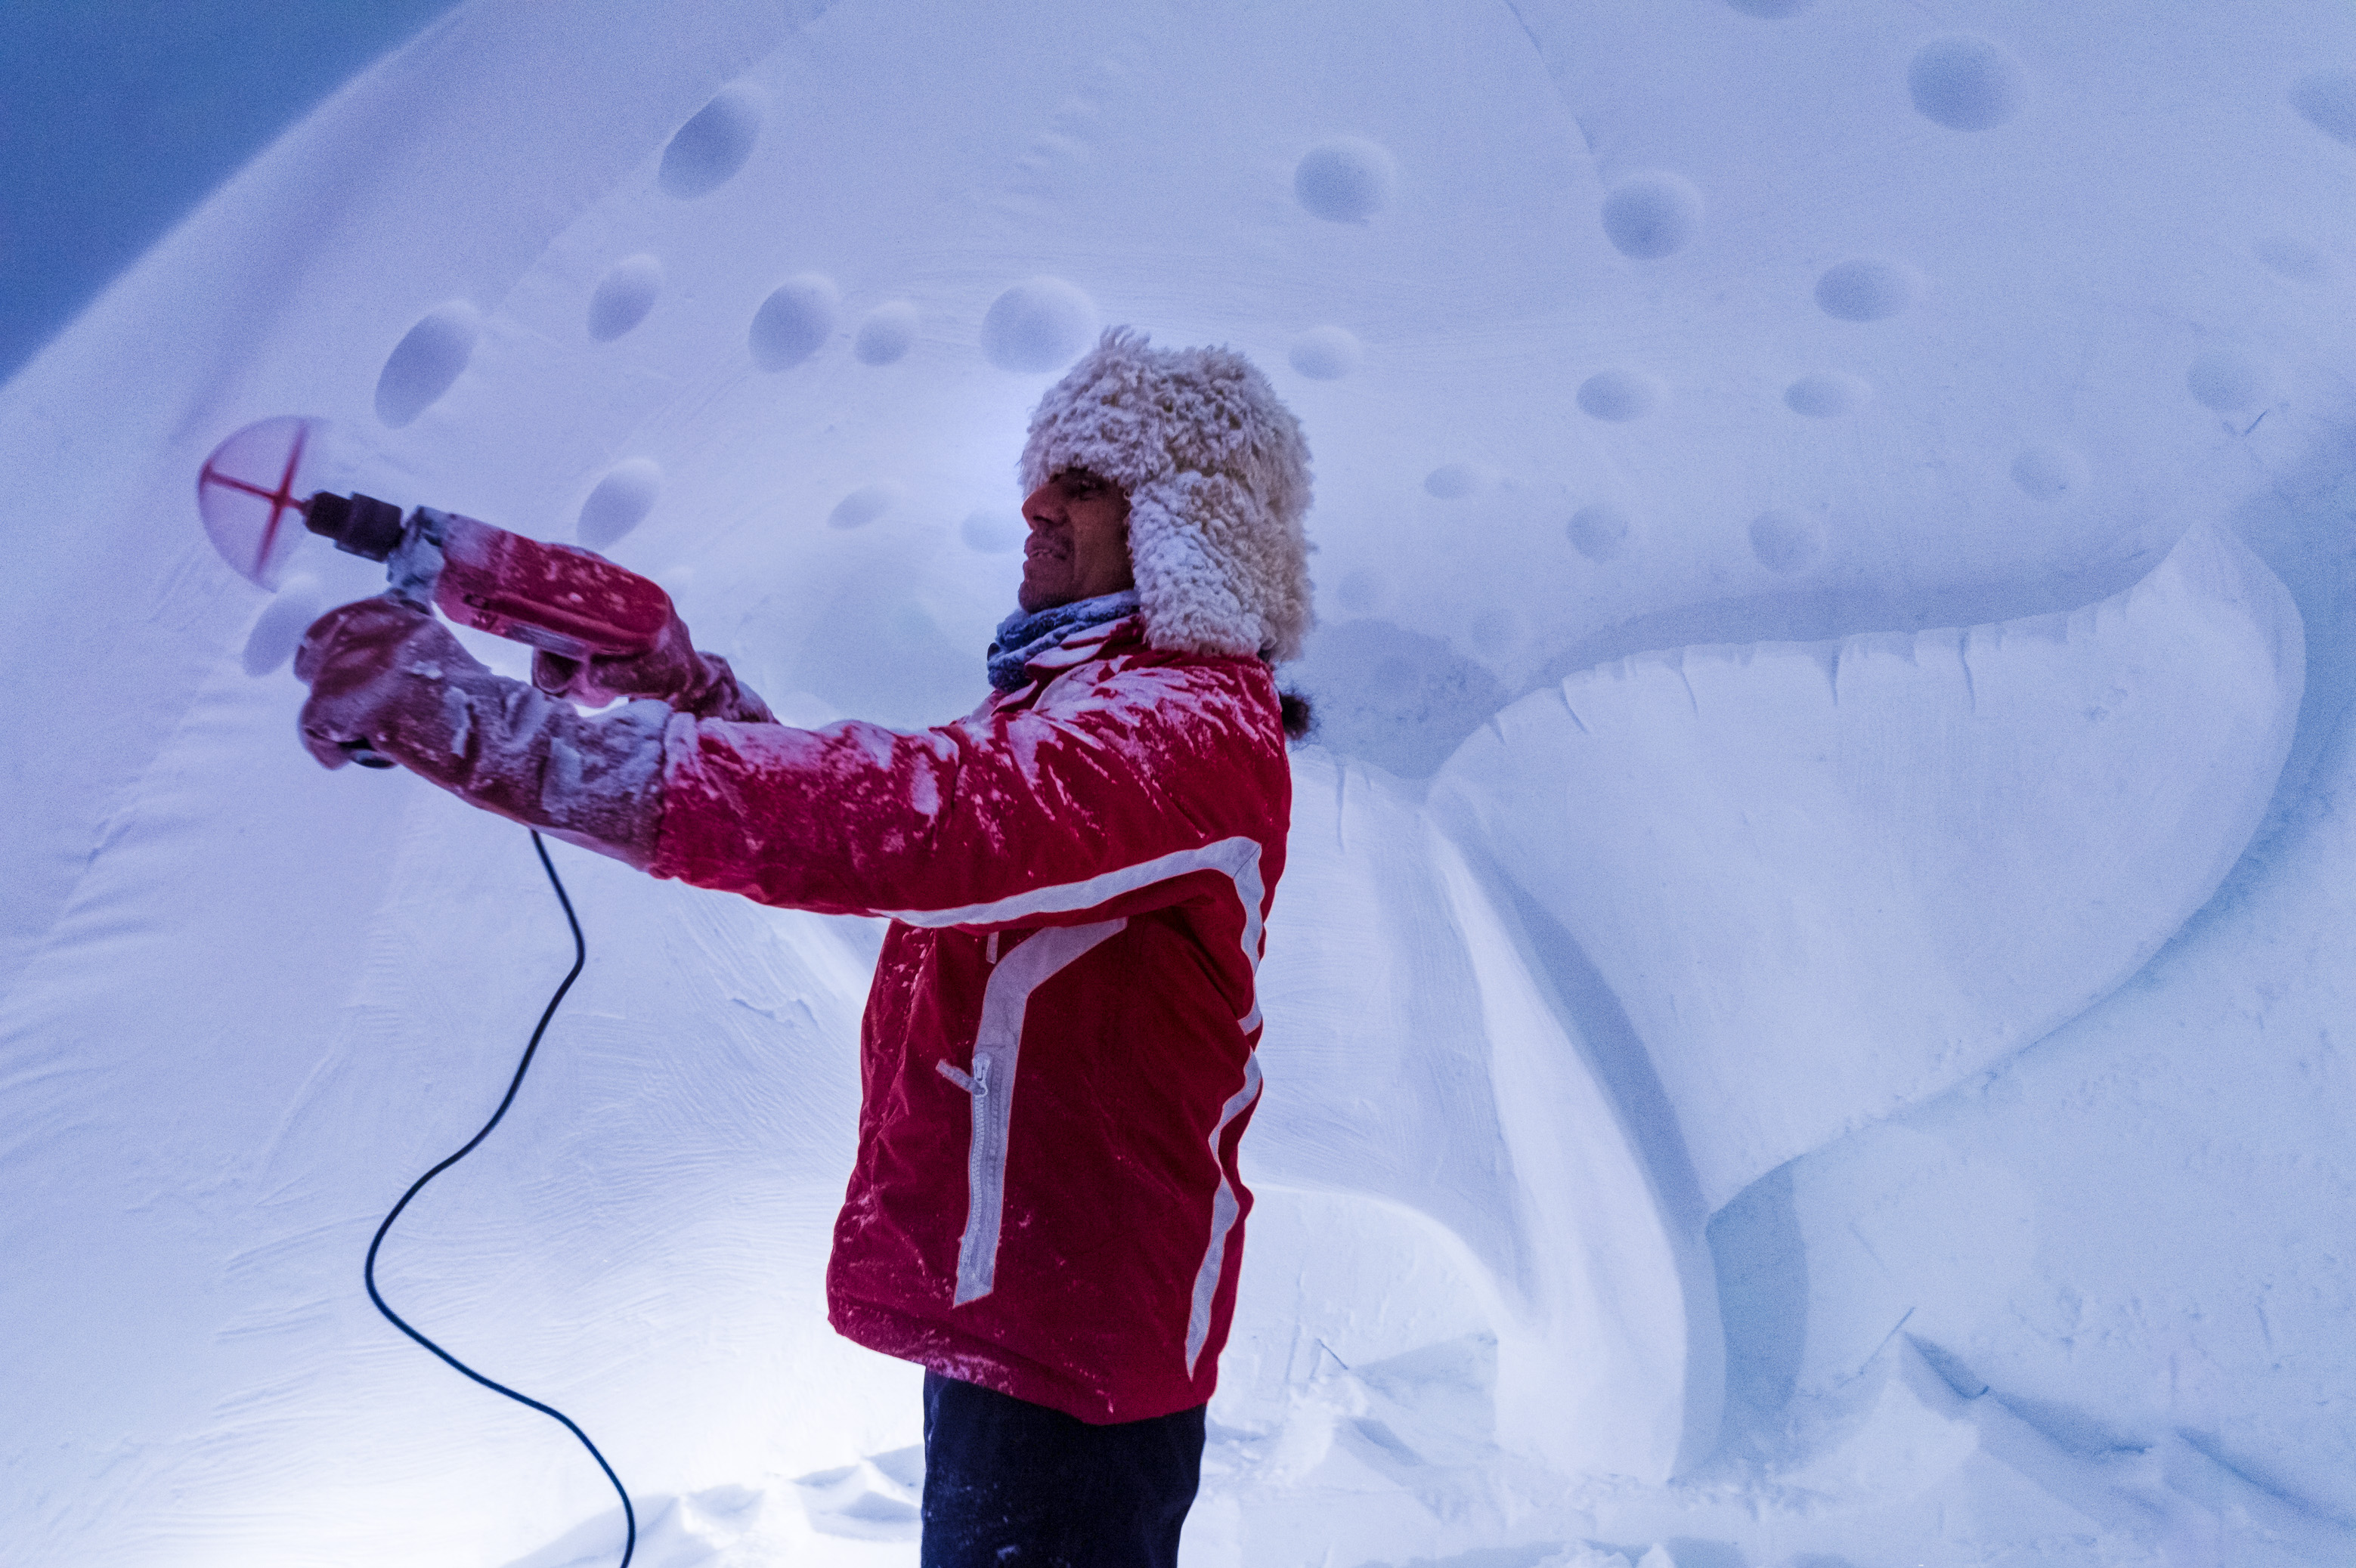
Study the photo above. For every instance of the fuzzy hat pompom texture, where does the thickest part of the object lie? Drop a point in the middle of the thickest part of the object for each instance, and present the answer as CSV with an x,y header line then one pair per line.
x,y
1217,476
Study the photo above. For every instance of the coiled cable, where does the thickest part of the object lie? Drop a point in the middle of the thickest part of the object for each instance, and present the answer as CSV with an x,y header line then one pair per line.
x,y
580,956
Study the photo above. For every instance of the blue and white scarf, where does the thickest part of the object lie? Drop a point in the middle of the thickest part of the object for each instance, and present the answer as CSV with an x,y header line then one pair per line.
x,y
1023,637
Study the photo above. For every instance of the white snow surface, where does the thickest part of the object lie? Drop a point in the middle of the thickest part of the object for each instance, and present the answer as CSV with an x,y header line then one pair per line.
x,y
1747,842
1806,1017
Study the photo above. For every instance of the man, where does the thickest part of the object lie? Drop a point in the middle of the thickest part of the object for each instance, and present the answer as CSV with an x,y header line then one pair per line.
x,y
1057,1055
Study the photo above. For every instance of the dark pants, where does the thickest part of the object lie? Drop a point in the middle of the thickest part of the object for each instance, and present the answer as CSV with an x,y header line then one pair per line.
x,y
1007,1482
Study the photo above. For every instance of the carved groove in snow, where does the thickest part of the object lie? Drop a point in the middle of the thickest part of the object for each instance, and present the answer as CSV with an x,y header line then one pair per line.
x,y
2013,817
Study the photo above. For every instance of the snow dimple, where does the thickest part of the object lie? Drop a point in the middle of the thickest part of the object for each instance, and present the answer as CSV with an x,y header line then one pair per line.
x,y
1599,532
2294,258
2049,473
865,504
1651,215
1865,289
1826,394
1619,396
429,358
1327,353
706,153
620,501
1786,542
1040,323
1453,481
794,322
1361,590
1967,83
282,624
1346,180
2227,381
887,334
624,296
2327,101
990,532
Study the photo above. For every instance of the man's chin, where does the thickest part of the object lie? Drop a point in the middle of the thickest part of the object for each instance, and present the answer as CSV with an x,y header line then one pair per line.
x,y
1032,598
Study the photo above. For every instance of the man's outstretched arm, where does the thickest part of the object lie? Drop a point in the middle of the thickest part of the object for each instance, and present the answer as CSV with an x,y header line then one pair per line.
x,y
1005,819
986,817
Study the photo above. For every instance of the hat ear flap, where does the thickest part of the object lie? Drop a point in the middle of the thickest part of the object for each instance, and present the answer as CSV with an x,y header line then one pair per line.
x,y
1185,585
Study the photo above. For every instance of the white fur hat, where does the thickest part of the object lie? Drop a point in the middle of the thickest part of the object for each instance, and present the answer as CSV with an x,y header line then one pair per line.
x,y
1217,476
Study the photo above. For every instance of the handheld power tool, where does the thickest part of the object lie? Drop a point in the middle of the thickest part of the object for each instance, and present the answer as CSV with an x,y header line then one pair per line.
x,y
558,598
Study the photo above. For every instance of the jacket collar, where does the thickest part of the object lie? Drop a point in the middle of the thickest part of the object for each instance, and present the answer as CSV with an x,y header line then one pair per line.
x,y
1102,640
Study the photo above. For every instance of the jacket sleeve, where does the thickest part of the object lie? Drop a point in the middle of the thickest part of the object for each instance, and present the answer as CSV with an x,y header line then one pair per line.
x,y
1100,805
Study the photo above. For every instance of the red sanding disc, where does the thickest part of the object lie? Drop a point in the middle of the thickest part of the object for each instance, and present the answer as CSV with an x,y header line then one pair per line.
x,y
251,493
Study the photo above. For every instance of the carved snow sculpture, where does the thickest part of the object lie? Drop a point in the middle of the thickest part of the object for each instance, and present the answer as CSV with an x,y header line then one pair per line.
x,y
2032,808
1417,1059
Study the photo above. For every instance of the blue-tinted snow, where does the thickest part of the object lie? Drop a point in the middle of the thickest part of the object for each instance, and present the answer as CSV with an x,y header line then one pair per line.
x,y
1636,343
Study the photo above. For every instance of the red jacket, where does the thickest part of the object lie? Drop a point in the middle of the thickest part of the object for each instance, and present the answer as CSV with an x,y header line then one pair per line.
x,y
1056,1061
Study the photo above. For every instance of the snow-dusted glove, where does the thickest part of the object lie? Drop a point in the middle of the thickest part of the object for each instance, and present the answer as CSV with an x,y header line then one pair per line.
x,y
384,671
701,684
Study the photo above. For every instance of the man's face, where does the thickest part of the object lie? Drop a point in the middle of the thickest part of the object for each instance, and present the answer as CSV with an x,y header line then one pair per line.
x,y
1078,546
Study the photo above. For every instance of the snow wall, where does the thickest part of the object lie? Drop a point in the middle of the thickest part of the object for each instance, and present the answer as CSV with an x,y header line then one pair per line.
x,y
1833,538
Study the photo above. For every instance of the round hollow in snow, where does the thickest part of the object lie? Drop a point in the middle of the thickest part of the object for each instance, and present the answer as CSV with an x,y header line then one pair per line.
x,y
1453,481
887,334
280,627
429,358
1346,180
1361,590
2294,258
1601,531
1786,542
2227,381
1040,323
624,296
794,322
706,152
863,506
1619,396
1327,353
1965,83
2049,473
2327,100
1865,290
1651,215
1826,394
620,501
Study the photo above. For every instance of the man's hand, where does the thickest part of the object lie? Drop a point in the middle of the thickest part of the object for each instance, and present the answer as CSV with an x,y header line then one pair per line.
x,y
386,672
690,682
378,671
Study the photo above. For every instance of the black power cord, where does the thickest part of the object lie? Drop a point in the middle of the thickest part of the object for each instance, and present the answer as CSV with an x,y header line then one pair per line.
x,y
580,956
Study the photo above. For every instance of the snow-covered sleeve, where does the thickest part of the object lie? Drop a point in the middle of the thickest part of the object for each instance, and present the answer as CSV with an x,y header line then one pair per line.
x,y
1088,807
